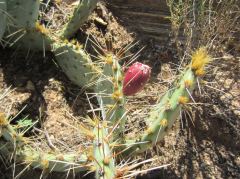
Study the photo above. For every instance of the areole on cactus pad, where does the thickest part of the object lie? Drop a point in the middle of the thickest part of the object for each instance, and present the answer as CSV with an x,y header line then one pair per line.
x,y
135,78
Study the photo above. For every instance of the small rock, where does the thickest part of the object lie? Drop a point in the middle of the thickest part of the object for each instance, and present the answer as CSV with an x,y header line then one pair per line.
x,y
100,21
237,160
236,103
228,83
51,80
236,112
30,85
226,98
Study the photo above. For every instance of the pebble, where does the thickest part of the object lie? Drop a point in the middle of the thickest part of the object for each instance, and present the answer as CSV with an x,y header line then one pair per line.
x,y
30,86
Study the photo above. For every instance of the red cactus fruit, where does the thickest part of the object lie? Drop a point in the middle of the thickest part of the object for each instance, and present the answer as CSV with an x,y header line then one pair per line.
x,y
135,78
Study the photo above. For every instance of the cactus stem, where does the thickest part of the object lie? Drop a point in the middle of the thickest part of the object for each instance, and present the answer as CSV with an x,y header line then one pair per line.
x,y
80,15
102,153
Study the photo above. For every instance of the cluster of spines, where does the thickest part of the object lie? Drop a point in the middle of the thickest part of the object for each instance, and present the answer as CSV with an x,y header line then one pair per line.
x,y
102,153
52,161
114,101
199,60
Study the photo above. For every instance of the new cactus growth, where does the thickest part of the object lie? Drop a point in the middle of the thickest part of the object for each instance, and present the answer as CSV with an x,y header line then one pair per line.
x,y
135,78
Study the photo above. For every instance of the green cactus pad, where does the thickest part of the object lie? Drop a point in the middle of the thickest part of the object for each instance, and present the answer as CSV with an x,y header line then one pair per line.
x,y
23,14
75,63
24,30
52,160
103,155
109,89
80,15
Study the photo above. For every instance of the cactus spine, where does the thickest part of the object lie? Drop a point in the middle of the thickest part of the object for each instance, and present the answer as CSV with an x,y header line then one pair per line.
x,y
53,161
3,9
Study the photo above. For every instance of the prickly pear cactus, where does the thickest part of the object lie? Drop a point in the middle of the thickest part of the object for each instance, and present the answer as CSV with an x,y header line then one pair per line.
x,y
76,63
109,90
101,157
27,33
80,15
107,136
163,116
23,27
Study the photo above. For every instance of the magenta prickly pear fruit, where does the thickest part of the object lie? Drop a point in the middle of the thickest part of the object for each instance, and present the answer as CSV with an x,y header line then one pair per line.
x,y
135,78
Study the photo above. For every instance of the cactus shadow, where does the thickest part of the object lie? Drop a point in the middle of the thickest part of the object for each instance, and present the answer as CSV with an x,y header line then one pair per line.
x,y
18,72
30,75
208,147
159,174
